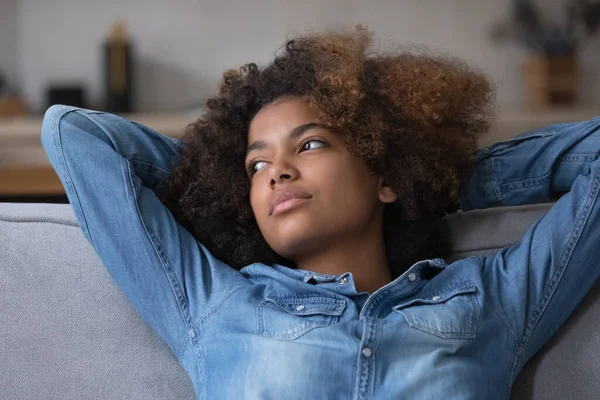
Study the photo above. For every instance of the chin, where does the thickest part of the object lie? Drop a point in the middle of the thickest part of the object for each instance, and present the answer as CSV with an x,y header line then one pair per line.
x,y
290,242
293,225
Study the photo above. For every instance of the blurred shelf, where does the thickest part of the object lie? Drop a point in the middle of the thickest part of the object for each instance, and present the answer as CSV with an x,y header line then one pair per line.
x,y
33,181
512,120
20,136
17,129
535,115
24,166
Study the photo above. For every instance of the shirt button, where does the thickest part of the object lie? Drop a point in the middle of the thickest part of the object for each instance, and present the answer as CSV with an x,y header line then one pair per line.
x,y
412,277
343,280
367,352
300,307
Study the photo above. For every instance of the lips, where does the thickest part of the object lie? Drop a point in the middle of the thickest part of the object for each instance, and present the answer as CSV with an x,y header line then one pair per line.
x,y
287,199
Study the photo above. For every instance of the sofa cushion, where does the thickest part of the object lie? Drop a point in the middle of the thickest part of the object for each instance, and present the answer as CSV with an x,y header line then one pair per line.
x,y
568,365
67,332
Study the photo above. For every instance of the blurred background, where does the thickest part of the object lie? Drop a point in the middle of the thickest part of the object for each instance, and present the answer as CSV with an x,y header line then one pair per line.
x,y
156,61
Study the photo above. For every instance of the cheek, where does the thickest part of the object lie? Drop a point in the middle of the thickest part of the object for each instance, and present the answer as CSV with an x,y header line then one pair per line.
x,y
253,200
353,183
257,202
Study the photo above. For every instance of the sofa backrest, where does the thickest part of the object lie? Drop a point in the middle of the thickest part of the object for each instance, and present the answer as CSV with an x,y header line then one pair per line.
x,y
67,332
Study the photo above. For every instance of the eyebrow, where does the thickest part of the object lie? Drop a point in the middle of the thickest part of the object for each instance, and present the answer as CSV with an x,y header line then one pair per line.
x,y
294,133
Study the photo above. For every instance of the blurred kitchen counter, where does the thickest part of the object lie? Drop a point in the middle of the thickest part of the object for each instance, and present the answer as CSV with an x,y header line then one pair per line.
x,y
25,169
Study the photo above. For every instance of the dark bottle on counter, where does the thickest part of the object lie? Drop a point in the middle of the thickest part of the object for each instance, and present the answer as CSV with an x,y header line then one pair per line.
x,y
118,80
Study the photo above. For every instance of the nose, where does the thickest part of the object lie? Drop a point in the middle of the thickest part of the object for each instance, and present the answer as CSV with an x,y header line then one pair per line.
x,y
282,171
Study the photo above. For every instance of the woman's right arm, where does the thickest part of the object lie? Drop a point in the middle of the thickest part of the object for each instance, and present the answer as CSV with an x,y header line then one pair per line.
x,y
111,168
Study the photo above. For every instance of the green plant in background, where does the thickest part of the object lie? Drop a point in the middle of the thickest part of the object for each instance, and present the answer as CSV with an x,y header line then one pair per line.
x,y
581,20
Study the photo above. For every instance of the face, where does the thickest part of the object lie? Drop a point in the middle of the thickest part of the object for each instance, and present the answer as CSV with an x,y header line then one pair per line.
x,y
307,191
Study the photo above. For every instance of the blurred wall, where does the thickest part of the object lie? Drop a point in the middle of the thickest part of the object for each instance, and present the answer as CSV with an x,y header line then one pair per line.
x,y
183,46
8,39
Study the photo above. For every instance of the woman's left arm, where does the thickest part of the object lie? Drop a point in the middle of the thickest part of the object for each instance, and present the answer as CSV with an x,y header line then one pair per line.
x,y
536,283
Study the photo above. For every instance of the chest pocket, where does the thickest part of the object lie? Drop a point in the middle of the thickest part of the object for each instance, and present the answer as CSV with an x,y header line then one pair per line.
x,y
290,318
452,313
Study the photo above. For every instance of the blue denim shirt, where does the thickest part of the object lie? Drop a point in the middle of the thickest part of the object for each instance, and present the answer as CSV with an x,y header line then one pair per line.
x,y
455,331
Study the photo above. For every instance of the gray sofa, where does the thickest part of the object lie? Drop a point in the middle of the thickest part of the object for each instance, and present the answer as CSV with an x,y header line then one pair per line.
x,y
66,331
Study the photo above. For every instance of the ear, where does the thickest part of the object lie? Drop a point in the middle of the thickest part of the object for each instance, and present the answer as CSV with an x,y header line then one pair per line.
x,y
386,194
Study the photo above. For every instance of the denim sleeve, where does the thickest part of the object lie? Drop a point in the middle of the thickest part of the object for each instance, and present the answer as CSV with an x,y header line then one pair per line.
x,y
536,283
111,169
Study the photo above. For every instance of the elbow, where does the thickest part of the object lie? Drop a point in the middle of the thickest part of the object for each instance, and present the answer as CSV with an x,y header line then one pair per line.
x,y
50,123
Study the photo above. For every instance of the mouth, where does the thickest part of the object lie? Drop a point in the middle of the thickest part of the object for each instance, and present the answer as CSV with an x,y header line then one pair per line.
x,y
288,205
288,199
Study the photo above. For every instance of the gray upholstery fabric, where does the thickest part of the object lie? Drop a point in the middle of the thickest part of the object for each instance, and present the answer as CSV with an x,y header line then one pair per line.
x,y
66,331
568,366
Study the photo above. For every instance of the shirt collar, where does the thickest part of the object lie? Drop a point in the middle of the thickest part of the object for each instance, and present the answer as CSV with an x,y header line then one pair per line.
x,y
314,277
309,276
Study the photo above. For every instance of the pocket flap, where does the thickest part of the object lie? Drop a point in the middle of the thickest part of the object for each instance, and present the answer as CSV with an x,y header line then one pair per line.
x,y
310,305
441,297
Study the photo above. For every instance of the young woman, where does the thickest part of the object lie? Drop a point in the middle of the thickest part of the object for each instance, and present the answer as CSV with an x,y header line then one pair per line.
x,y
291,245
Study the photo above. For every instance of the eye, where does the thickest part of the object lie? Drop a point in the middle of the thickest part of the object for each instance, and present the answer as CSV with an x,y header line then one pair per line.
x,y
254,167
312,144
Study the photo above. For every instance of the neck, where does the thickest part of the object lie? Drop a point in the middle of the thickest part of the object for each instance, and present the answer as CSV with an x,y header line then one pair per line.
x,y
363,256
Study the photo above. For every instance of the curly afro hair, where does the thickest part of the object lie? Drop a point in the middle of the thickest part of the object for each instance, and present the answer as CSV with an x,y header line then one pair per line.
x,y
413,117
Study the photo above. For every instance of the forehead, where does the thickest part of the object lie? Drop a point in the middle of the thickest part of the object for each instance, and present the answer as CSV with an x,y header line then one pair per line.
x,y
279,118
